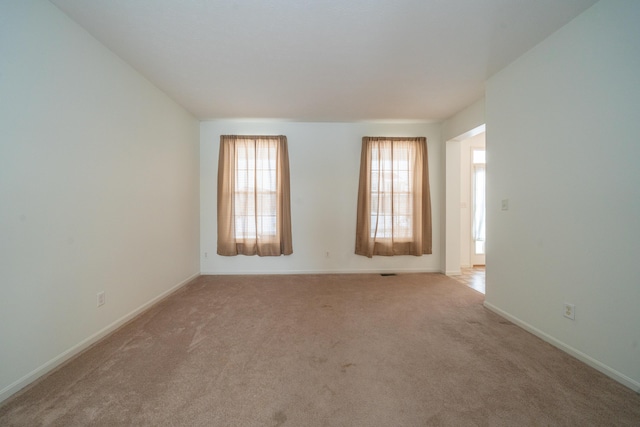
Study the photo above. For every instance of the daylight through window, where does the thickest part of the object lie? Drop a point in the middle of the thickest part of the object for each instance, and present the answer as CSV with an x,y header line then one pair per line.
x,y
394,206
254,214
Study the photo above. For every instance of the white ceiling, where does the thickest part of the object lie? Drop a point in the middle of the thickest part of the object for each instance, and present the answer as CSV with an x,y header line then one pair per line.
x,y
321,60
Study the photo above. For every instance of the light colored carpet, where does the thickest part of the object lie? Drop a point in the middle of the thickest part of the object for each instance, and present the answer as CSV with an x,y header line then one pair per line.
x,y
323,350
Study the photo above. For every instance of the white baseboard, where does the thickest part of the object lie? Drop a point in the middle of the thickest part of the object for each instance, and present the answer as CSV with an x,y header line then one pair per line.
x,y
18,385
453,273
291,272
608,371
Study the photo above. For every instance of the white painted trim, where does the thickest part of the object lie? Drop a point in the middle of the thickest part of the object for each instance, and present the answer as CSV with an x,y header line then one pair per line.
x,y
471,133
18,385
607,370
291,272
454,273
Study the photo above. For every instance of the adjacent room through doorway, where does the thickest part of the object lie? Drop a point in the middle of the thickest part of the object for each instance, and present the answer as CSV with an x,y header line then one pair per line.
x,y
466,208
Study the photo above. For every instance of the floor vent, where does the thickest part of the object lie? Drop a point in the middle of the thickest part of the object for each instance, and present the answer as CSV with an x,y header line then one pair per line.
x,y
387,274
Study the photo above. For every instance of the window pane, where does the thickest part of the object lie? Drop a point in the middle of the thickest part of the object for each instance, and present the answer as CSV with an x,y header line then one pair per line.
x,y
245,226
479,156
403,226
375,178
267,226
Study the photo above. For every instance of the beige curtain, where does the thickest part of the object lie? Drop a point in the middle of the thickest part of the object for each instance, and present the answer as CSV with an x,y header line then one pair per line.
x,y
254,208
394,203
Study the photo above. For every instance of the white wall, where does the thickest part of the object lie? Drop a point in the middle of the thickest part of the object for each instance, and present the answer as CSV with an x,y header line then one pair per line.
x,y
563,127
452,208
462,124
98,191
324,164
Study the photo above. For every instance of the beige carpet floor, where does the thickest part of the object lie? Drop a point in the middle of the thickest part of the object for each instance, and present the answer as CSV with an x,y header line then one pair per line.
x,y
323,350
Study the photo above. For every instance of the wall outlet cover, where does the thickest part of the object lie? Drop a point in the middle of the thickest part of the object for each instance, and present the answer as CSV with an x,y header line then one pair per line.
x,y
101,298
569,311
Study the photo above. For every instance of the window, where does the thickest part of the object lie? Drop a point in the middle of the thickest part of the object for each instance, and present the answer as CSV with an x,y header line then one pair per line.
x,y
255,186
253,196
394,207
391,189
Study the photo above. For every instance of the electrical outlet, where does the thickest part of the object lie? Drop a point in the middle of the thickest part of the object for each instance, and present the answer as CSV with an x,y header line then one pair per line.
x,y
326,254
505,204
100,298
570,311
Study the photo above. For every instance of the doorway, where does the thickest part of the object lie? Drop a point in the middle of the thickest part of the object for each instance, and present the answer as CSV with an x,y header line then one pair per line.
x,y
472,201
464,206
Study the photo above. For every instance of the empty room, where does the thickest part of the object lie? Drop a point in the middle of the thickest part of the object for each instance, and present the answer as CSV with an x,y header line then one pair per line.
x,y
319,213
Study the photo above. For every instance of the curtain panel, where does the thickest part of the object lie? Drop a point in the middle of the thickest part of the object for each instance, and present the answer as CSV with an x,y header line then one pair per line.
x,y
394,202
254,207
